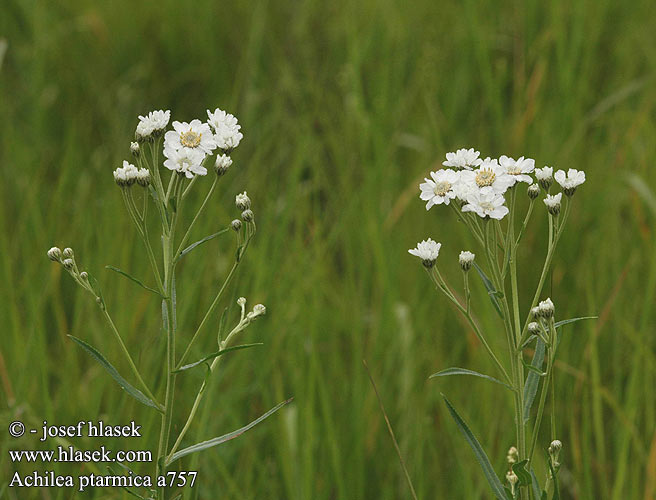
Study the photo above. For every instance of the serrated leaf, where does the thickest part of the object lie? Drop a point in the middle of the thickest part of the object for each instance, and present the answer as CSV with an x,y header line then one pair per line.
x,y
127,387
215,355
227,437
563,322
132,278
481,457
533,379
522,474
463,371
200,242
491,291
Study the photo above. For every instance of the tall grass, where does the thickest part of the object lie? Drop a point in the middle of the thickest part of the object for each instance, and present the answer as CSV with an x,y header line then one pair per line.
x,y
345,106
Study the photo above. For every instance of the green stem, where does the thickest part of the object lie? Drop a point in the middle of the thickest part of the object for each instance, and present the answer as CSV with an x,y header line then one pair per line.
x,y
188,232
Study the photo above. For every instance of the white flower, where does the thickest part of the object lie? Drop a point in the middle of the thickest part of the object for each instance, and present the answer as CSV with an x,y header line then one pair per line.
x,y
222,164
427,251
463,158
226,129
466,258
546,308
544,176
242,201
143,177
486,202
518,169
553,203
185,161
571,181
440,189
126,175
155,121
194,135
488,174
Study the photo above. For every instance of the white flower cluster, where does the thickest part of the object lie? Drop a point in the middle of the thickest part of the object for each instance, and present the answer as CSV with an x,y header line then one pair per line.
x,y
189,143
480,184
128,174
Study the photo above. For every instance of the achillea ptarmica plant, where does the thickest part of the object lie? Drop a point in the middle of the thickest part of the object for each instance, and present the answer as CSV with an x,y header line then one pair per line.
x,y
167,165
483,195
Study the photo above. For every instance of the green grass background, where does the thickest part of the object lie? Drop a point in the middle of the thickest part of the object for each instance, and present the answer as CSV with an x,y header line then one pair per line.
x,y
345,106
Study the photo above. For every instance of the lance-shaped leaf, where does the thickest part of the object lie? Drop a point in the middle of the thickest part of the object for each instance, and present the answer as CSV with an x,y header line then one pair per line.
x,y
481,457
215,355
533,379
535,485
132,278
200,242
522,474
563,322
227,437
132,391
463,371
491,291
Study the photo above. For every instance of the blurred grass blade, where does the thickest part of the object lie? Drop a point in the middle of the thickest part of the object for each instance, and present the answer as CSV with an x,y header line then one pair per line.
x,y
481,457
215,355
132,278
200,242
641,187
533,379
558,324
227,437
463,371
132,391
491,291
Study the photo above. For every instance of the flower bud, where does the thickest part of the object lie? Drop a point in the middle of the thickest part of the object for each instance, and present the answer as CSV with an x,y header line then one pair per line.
x,y
546,309
247,215
533,328
533,191
258,310
553,203
222,164
135,149
241,301
466,259
555,447
242,201
513,455
512,478
143,177
236,225
535,312
84,275
68,253
69,264
55,254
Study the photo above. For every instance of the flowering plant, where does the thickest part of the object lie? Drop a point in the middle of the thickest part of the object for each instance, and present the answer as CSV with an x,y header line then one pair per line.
x,y
483,195
188,150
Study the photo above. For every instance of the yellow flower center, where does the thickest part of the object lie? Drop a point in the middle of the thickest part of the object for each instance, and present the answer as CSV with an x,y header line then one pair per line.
x,y
514,170
486,205
485,177
441,188
190,139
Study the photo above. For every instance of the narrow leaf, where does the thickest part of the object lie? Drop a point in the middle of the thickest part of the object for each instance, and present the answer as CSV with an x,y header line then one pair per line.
x,y
463,371
200,242
522,474
533,369
227,437
132,278
572,320
528,341
491,291
535,485
214,355
481,457
533,379
132,391
554,476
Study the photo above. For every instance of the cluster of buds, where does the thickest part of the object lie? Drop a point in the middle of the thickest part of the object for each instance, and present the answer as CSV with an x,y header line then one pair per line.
x,y
152,125
128,174
243,203
66,258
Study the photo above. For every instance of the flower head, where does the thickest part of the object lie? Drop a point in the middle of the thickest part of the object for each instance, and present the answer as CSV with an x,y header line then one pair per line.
x,y
519,169
242,201
55,254
427,251
222,164
440,188
126,175
486,203
463,158
194,135
571,181
226,128
185,161
553,203
152,124
546,308
466,259
488,174
533,191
